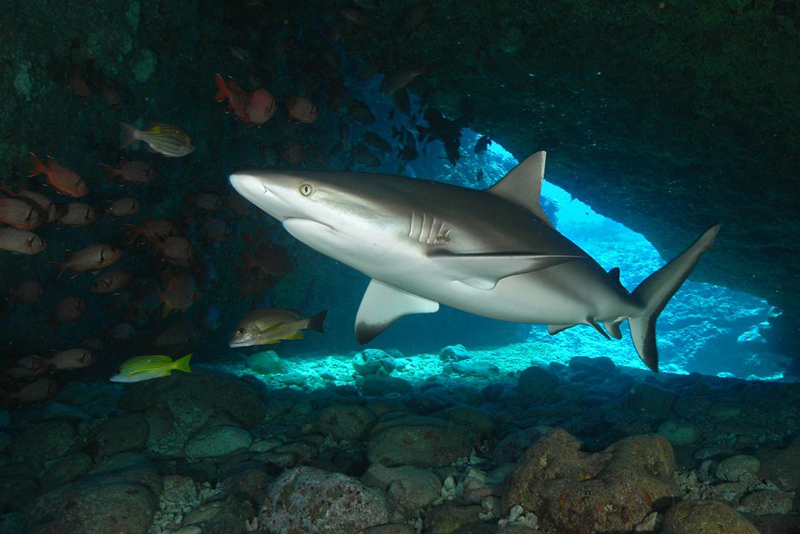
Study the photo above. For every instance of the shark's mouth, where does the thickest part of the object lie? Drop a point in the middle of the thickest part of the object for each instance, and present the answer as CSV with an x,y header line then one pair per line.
x,y
295,225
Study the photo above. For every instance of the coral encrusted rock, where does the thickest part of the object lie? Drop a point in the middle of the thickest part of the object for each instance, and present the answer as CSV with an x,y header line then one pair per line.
x,y
574,492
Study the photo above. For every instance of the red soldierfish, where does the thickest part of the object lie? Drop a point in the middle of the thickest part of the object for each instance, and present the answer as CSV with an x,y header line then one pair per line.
x,y
78,83
72,359
64,180
302,109
42,389
110,282
68,310
137,172
78,214
237,97
20,213
27,291
47,206
124,207
91,258
177,250
20,241
260,108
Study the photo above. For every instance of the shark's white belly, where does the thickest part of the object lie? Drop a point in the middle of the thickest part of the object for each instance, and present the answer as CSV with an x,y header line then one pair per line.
x,y
569,293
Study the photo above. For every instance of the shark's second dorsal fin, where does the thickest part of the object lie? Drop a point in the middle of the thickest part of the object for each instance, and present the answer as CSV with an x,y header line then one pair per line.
x,y
523,185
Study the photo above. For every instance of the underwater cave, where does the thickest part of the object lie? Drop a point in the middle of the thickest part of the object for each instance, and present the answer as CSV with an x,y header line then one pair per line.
x,y
230,232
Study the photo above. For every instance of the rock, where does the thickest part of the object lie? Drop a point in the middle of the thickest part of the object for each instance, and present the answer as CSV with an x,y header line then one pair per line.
x,y
481,424
5,441
705,517
725,410
251,482
471,368
218,441
17,491
389,529
739,468
511,447
781,466
537,384
43,442
776,523
66,470
679,433
378,386
126,468
267,363
202,392
602,365
123,508
234,510
371,362
421,441
767,502
121,434
161,421
305,500
650,400
454,353
449,519
344,422
409,487
557,482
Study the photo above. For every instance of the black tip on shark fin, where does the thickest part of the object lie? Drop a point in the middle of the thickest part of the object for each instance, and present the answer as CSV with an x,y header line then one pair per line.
x,y
366,332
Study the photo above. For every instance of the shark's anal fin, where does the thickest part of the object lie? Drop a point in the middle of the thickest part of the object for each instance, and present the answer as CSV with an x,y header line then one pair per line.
x,y
523,186
384,304
483,271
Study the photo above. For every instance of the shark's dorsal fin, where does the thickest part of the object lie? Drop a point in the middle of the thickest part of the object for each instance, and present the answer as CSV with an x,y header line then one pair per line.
x,y
523,185
384,304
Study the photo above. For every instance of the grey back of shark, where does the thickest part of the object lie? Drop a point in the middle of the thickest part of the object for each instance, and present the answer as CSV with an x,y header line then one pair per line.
x,y
492,253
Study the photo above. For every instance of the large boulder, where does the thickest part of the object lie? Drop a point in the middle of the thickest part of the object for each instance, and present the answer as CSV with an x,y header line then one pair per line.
x,y
43,442
705,517
781,466
218,441
409,488
305,500
201,391
574,492
343,422
119,496
124,433
419,441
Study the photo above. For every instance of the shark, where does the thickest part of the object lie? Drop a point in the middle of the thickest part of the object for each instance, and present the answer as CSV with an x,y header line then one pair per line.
x,y
491,252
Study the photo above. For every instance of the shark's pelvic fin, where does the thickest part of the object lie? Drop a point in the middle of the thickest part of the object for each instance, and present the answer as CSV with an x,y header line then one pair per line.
x,y
483,271
384,304
523,185
554,329
656,290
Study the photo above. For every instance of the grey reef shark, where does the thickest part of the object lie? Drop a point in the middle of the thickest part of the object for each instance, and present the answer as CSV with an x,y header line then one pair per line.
x,y
492,253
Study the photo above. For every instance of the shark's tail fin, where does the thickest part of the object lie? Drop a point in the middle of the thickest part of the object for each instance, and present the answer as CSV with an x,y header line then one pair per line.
x,y
655,291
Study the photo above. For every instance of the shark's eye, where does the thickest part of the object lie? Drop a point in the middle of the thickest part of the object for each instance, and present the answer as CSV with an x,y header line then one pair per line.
x,y
306,189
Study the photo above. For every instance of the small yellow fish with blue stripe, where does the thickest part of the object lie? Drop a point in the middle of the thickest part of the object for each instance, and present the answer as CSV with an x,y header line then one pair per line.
x,y
162,138
143,368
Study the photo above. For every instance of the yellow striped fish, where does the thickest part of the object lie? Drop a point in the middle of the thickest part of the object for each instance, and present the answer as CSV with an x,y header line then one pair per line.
x,y
143,368
162,138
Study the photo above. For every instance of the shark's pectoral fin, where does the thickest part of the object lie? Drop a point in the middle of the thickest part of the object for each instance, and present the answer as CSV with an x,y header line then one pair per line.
x,y
483,271
554,329
384,304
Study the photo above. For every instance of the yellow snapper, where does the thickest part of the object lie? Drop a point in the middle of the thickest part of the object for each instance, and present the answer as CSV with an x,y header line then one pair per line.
x,y
143,368
272,325
162,138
